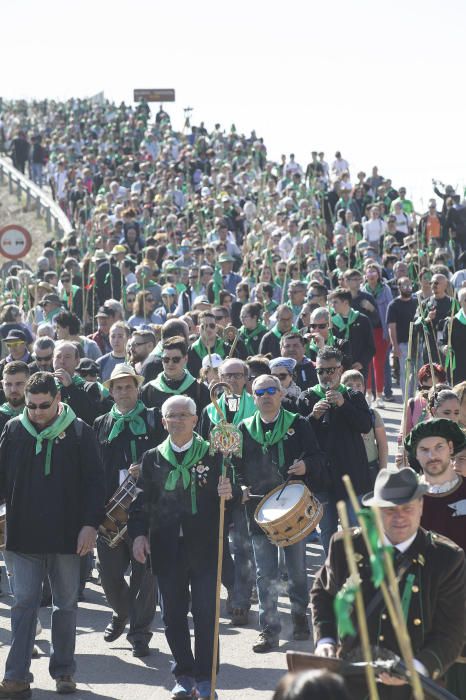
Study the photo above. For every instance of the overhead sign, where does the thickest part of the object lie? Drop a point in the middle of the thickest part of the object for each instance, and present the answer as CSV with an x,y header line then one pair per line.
x,y
154,95
15,241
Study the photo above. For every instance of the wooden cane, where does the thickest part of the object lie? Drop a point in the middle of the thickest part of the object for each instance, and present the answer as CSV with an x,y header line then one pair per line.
x,y
390,592
360,612
407,380
427,343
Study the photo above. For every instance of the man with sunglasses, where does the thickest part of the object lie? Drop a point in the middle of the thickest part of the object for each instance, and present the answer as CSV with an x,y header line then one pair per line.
x,y
43,355
208,340
277,444
52,480
338,416
124,433
175,379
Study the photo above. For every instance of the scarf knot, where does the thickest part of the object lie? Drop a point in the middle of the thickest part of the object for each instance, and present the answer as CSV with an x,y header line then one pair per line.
x,y
64,418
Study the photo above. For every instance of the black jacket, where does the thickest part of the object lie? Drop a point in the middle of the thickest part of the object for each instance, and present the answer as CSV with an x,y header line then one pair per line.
x,y
85,400
270,344
159,514
45,513
153,397
117,455
339,437
361,345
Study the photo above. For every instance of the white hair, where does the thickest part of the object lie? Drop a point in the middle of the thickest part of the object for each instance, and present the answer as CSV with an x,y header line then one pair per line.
x,y
461,294
273,379
188,402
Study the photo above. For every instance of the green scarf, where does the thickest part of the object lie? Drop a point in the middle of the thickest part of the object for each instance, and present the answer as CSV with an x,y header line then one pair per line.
x,y
344,324
76,380
133,419
51,314
375,292
278,333
195,453
330,342
245,410
320,391
248,336
7,410
60,424
202,352
461,316
160,383
255,428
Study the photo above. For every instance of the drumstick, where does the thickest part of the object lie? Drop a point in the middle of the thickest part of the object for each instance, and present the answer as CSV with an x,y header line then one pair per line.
x,y
289,475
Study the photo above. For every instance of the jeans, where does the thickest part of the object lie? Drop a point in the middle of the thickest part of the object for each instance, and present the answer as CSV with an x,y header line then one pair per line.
x,y
267,570
37,173
28,573
329,522
174,588
135,601
403,357
240,544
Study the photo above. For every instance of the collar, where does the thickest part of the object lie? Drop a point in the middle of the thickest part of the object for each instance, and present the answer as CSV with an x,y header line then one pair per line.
x,y
183,448
268,422
402,546
445,487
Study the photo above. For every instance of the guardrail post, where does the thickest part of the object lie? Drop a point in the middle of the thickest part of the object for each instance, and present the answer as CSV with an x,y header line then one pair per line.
x,y
38,207
2,175
28,199
10,183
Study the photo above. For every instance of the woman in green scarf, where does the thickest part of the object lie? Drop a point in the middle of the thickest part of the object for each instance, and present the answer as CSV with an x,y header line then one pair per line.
x,y
252,330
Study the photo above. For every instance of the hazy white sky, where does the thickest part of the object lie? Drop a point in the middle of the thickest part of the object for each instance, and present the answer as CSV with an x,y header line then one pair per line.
x,y
381,81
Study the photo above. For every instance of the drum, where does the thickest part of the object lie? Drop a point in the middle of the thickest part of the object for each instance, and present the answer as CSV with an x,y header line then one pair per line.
x,y
2,526
114,526
290,518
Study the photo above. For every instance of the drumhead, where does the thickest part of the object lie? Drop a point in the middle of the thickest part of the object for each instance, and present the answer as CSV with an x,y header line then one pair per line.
x,y
273,509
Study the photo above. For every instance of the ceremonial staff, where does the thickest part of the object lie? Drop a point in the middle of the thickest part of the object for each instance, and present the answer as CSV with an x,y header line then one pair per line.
x,y
408,369
226,439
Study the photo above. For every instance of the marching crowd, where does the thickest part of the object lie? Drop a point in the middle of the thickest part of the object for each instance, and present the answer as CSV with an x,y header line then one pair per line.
x,y
311,292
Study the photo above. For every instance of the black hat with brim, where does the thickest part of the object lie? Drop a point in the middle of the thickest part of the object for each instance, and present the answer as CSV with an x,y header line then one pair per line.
x,y
437,427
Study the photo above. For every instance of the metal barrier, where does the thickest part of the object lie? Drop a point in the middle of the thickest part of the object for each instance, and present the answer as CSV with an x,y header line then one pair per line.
x,y
55,218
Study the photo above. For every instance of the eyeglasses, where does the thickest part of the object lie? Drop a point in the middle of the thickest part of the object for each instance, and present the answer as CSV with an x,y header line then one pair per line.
x,y
318,325
233,375
208,325
136,345
45,358
178,416
282,376
271,390
327,370
39,407
176,360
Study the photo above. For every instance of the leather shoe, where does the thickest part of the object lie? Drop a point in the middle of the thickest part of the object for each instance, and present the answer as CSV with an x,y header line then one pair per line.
x,y
301,629
239,617
140,649
114,630
266,641
15,689
65,685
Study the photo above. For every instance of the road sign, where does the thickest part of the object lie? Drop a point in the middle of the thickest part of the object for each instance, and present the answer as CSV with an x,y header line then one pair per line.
x,y
15,241
154,95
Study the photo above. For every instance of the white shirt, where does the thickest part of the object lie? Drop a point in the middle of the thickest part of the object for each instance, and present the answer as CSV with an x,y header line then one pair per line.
x,y
183,448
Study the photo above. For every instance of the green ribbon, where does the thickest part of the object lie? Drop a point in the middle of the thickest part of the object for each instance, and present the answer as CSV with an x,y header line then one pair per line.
x,y
343,607
64,418
8,410
376,559
160,384
246,409
247,336
201,350
255,428
344,324
182,469
407,595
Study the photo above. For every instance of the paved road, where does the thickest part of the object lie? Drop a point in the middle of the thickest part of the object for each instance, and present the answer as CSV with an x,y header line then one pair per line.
x,y
110,671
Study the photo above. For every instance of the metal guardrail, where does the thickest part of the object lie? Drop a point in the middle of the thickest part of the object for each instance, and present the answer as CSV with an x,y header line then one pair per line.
x,y
36,198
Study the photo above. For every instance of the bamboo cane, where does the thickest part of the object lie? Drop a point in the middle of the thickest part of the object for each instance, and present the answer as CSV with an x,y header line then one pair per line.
x,y
390,593
407,378
360,612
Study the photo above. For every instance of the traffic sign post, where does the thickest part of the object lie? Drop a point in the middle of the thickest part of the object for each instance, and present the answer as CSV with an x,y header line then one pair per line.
x,y
15,241
153,95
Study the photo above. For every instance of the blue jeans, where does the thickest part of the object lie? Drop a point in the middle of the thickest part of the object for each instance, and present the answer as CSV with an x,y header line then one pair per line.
x,y
266,556
28,572
329,522
37,173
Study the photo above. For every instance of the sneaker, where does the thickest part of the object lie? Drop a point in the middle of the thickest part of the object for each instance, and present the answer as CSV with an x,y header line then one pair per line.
x,y
266,641
379,403
65,685
301,629
35,652
203,689
14,689
239,617
183,688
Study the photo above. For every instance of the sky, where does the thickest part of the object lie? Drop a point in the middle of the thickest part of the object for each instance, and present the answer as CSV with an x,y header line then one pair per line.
x,y
381,82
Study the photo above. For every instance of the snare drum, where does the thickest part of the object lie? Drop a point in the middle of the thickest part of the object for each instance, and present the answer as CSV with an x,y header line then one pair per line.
x,y
114,526
290,518
2,526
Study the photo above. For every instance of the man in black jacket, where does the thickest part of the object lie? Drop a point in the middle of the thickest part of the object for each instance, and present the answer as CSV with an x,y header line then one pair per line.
x,y
294,345
277,444
52,480
124,434
354,328
175,519
270,342
83,397
338,417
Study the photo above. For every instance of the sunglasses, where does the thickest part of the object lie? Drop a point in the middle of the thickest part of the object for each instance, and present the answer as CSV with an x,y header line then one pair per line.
x,y
39,407
318,325
209,325
282,376
176,360
45,358
271,390
326,370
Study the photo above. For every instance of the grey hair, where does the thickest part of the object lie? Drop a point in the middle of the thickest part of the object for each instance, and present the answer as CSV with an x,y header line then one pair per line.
x,y
45,329
320,313
273,379
44,343
189,403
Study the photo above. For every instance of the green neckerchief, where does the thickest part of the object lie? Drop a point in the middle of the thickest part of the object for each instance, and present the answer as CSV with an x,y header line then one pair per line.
x,y
133,419
7,410
330,342
267,438
375,292
319,390
246,409
104,392
51,314
344,324
247,335
461,316
76,380
195,453
278,333
201,350
65,417
160,383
